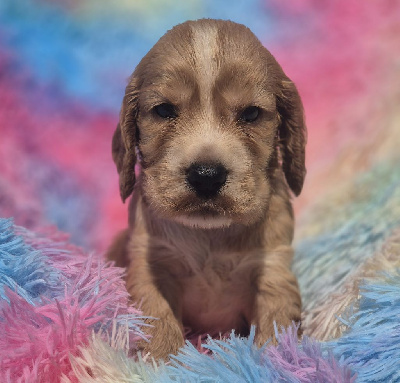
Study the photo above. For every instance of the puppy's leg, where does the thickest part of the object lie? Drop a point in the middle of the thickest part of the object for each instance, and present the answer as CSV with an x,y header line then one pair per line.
x,y
277,297
158,297
117,252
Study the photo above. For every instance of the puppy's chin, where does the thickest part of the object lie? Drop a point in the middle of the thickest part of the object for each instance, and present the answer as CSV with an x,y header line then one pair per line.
x,y
204,222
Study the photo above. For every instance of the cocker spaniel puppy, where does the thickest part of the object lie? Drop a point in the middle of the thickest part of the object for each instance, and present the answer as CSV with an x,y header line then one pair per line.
x,y
219,132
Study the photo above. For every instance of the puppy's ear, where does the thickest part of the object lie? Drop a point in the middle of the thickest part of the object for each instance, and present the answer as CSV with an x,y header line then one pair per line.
x,y
124,140
292,133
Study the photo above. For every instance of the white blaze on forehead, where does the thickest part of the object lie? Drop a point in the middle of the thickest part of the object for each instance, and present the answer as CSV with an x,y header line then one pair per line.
x,y
207,141
205,43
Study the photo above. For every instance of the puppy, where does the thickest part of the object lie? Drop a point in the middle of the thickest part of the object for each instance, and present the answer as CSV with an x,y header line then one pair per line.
x,y
219,132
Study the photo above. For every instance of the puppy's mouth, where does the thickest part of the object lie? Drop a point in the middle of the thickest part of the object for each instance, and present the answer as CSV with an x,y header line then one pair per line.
x,y
203,222
197,212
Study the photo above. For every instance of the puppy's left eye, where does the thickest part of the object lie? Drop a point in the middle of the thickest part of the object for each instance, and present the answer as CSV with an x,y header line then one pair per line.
x,y
250,114
165,110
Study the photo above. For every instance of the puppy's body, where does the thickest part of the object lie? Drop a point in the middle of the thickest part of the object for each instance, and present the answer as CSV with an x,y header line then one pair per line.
x,y
211,225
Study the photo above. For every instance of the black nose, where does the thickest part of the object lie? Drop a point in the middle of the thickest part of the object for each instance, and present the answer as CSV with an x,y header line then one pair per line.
x,y
206,179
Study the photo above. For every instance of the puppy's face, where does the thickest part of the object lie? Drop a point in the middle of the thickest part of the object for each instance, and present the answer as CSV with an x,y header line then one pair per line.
x,y
205,109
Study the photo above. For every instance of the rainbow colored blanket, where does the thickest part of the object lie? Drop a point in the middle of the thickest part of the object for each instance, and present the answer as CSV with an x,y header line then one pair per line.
x,y
64,312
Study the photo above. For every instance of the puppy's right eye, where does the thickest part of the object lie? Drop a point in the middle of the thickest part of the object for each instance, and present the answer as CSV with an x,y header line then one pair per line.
x,y
250,114
165,110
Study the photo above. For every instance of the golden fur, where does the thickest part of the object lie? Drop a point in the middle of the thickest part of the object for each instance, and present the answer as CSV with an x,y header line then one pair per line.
x,y
222,262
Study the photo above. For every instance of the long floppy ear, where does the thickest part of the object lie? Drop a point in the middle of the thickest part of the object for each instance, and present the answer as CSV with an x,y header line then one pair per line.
x,y
292,133
124,141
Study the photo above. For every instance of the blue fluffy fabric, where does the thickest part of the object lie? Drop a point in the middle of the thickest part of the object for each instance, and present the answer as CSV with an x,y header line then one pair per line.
x,y
234,360
371,346
23,269
347,234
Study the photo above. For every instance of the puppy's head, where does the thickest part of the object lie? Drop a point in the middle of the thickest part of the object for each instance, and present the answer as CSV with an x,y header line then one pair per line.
x,y
213,116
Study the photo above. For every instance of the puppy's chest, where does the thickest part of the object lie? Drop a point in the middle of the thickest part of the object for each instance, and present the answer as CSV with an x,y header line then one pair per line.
x,y
217,292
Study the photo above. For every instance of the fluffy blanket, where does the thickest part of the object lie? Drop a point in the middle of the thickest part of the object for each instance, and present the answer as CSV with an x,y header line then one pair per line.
x,y
64,311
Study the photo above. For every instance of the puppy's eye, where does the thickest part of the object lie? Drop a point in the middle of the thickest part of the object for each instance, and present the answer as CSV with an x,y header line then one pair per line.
x,y
165,110
250,114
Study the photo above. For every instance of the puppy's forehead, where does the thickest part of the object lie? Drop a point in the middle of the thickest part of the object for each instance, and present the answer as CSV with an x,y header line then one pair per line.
x,y
206,48
198,61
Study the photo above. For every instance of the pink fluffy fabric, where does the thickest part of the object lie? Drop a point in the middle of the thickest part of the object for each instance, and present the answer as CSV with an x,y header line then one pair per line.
x,y
38,340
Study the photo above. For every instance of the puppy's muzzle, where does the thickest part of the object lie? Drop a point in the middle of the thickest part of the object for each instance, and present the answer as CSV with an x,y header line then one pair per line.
x,y
206,179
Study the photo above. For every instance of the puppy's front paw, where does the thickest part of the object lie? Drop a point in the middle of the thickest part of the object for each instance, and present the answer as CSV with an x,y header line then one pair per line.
x,y
266,330
166,338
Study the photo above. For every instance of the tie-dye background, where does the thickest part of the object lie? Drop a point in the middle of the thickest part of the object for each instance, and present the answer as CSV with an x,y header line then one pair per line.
x,y
64,65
